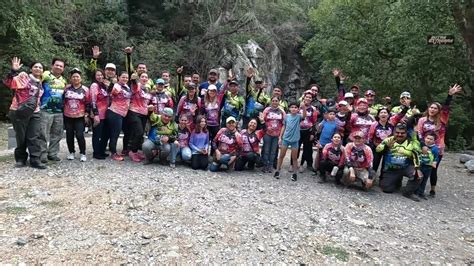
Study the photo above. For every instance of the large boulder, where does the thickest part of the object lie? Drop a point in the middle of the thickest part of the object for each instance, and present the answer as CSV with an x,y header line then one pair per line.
x,y
470,166
465,158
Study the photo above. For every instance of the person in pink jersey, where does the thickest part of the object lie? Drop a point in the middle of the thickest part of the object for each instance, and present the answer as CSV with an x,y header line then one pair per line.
x,y
76,113
361,120
274,116
119,104
99,104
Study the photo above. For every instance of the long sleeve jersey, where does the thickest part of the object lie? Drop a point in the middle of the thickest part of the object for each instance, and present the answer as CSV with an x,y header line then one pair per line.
x,y
76,101
25,87
227,142
401,154
335,154
358,156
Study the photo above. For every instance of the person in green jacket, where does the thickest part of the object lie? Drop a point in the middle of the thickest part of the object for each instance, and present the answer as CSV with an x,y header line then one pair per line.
x,y
141,68
256,99
401,155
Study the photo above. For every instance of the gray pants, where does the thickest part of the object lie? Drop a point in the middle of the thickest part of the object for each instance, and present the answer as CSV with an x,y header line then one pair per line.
x,y
392,180
52,128
149,147
28,136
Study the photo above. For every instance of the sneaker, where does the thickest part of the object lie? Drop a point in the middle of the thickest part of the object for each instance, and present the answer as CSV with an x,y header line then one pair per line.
x,y
322,179
117,157
71,156
301,170
276,175
422,196
54,158
294,177
134,156
172,165
310,168
432,193
83,158
20,164
412,197
38,165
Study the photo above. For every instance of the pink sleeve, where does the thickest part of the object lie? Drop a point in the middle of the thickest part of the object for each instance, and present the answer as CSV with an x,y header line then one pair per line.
x,y
343,157
369,156
419,127
180,105
325,151
372,131
444,116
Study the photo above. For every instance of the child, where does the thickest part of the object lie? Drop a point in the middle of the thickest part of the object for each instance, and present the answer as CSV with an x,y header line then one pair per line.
x,y
332,159
326,129
290,137
428,159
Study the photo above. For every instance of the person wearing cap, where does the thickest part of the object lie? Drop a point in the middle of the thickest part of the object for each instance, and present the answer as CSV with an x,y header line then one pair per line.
x,y
405,101
359,159
349,98
76,113
161,99
233,103
190,105
110,68
249,152
361,120
162,137
316,102
136,118
226,144
211,109
27,123
139,70
278,92
52,122
119,105
373,107
212,78
256,99
308,130
401,158
343,116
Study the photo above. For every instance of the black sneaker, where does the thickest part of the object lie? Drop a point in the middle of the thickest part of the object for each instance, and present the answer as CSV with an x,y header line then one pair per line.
x,y
20,164
422,196
432,193
277,175
294,177
322,179
41,166
54,158
412,197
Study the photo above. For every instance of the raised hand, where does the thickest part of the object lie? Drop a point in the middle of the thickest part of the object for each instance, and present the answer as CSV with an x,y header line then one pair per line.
x,y
336,72
454,89
96,51
231,75
179,70
128,49
261,117
16,63
250,72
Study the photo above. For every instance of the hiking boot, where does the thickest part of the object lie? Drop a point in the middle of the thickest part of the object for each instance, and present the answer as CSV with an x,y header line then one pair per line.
x,y
38,165
20,164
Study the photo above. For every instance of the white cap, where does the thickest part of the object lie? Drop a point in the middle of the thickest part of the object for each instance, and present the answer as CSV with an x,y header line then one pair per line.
x,y
343,103
110,65
348,95
211,87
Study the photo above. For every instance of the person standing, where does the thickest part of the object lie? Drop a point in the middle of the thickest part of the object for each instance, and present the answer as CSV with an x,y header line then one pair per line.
x,y
99,104
256,99
52,122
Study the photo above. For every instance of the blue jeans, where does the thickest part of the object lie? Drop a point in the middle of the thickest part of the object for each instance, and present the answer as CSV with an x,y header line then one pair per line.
x,y
270,148
185,153
426,170
215,166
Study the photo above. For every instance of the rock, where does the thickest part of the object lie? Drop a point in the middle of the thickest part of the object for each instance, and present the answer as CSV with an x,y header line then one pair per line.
x,y
147,235
470,166
21,241
37,235
354,238
463,158
283,248
261,248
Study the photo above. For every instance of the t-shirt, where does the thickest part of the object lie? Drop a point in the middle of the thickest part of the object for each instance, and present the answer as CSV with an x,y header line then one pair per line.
x,y
292,128
328,129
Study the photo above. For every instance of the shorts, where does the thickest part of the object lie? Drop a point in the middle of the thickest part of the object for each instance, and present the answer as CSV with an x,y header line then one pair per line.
x,y
290,144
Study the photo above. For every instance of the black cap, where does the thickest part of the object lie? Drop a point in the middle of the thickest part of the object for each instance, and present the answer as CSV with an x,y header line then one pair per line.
x,y
74,71
191,86
258,81
234,82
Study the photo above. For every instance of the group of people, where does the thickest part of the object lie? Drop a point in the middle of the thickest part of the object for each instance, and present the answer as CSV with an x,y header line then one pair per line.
x,y
213,125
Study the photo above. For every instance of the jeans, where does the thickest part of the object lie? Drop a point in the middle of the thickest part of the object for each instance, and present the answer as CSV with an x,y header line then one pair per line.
x,y
113,126
52,128
215,166
185,153
75,127
250,159
426,170
270,149
149,146
98,133
28,136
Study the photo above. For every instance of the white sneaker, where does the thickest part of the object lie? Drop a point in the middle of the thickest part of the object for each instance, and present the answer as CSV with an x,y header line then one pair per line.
x,y
71,156
83,158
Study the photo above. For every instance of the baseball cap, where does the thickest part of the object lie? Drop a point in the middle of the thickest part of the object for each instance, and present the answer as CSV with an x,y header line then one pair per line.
x,y
160,81
258,81
370,92
74,71
405,94
343,103
358,134
191,86
355,86
230,119
234,82
212,87
348,95
362,100
110,65
213,71
167,111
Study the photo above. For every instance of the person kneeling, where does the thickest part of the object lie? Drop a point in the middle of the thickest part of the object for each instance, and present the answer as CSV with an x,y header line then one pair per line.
x,y
332,159
226,143
249,152
358,161
162,137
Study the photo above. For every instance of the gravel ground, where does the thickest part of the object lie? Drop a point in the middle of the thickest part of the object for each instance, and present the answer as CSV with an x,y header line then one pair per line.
x,y
123,212
4,135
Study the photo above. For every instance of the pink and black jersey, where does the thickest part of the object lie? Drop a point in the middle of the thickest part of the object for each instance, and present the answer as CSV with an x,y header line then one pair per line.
x,y
379,132
213,113
361,122
250,141
333,153
426,126
161,100
274,118
25,87
311,117
358,156
140,99
75,101
183,137
99,99
190,108
227,142
120,99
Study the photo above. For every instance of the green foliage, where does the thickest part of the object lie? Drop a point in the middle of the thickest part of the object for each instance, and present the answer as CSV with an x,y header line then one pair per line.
x,y
382,45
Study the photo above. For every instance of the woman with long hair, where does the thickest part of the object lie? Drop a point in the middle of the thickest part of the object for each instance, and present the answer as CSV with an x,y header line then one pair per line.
x,y
25,112
190,105
99,103
273,116
434,120
199,144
